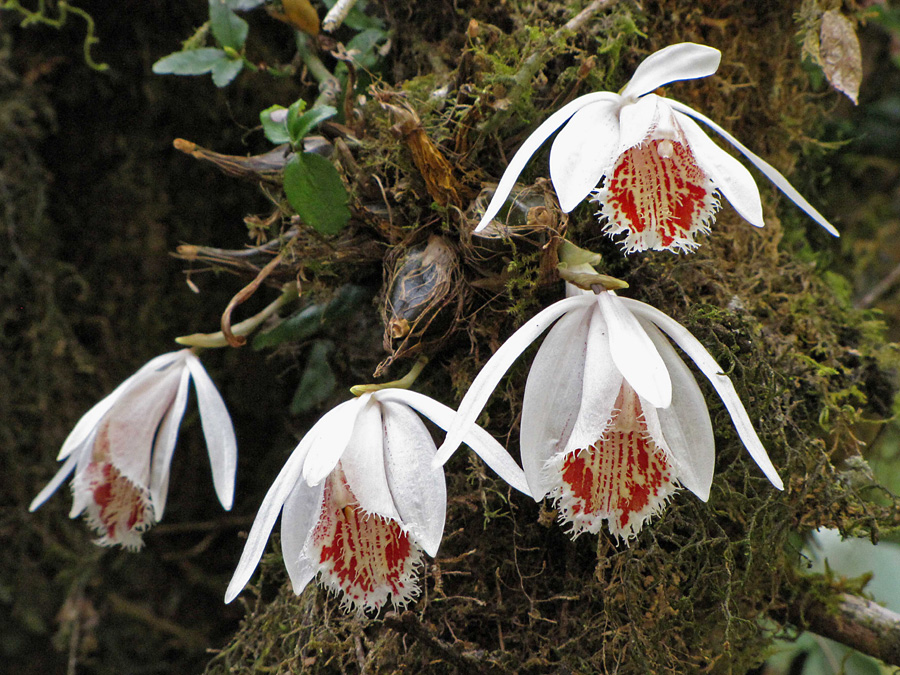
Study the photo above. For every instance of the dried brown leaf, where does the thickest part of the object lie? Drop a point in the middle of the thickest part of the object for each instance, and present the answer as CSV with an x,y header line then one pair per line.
x,y
840,54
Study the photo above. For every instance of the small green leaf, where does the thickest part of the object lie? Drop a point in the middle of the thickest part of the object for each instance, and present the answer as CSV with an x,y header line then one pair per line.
x,y
302,125
224,72
315,191
294,111
228,28
191,62
317,381
276,132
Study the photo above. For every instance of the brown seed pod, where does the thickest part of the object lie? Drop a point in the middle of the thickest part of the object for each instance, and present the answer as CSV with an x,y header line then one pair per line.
x,y
424,299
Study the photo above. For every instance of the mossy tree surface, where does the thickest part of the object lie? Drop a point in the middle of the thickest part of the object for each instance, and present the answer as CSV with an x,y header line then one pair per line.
x,y
701,589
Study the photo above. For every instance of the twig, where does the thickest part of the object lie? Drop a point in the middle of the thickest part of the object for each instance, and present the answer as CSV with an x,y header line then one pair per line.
x,y
336,15
242,296
409,623
329,85
879,289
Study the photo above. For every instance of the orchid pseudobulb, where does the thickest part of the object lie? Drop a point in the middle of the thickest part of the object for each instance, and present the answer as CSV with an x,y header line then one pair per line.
x,y
121,449
613,421
360,500
662,175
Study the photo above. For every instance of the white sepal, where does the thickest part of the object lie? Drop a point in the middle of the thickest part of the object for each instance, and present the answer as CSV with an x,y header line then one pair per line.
x,y
164,447
332,434
682,61
298,521
56,481
363,463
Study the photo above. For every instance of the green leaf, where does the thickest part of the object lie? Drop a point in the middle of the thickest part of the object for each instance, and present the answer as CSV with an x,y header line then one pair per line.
x,y
276,132
302,125
228,28
191,62
224,72
317,381
315,191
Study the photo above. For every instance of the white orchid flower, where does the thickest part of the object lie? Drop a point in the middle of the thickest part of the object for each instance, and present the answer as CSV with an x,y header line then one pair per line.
x,y
360,499
613,421
661,171
121,449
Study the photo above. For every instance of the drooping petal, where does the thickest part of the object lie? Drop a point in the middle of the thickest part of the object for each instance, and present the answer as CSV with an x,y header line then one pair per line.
x,y
583,151
55,482
685,425
419,489
683,61
634,353
271,506
531,145
298,520
731,177
722,384
333,433
767,169
363,463
218,431
484,383
363,557
164,447
553,395
484,445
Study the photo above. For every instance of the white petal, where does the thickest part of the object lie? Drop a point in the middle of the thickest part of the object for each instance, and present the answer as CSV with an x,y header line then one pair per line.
x,y
634,353
218,430
363,463
732,179
55,482
553,396
722,384
602,383
683,61
531,145
685,425
768,170
332,434
164,447
92,417
298,521
583,151
484,445
636,121
484,383
419,490
268,512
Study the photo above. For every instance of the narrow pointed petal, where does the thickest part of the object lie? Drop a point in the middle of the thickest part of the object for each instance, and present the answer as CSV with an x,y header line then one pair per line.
x,y
218,430
634,353
722,384
55,482
363,463
92,417
530,146
268,512
553,396
602,384
583,151
419,489
332,434
685,425
683,61
483,385
767,169
298,520
164,447
484,445
731,177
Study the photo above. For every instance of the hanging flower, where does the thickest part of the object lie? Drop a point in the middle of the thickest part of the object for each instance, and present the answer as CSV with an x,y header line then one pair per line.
x,y
662,173
361,501
613,422
121,449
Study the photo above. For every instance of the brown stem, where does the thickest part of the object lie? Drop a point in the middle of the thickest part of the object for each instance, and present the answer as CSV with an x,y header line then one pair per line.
x,y
242,296
852,621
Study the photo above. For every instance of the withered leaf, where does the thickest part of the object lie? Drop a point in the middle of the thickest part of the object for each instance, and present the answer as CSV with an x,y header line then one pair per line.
x,y
840,54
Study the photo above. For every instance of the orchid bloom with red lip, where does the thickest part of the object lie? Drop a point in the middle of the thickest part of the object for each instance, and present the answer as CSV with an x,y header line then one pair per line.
x,y
121,449
613,421
360,500
661,173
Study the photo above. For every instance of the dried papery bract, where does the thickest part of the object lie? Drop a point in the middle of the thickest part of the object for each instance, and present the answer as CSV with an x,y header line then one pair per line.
x,y
424,299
